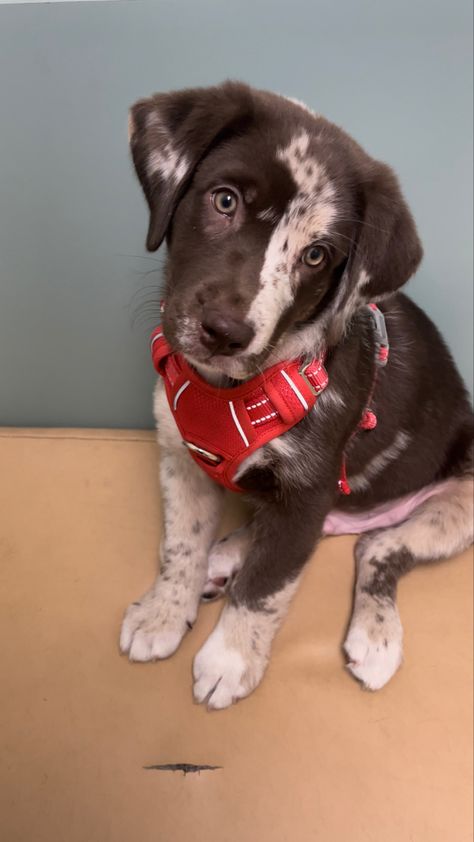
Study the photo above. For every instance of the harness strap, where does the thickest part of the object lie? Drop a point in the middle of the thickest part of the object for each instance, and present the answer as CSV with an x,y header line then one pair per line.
x,y
243,418
369,418
222,427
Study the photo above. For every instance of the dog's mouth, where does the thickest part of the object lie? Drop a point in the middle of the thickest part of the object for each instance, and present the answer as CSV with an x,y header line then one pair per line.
x,y
221,366
223,371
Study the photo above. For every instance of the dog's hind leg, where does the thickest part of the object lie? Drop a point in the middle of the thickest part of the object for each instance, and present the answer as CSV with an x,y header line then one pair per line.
x,y
440,528
225,559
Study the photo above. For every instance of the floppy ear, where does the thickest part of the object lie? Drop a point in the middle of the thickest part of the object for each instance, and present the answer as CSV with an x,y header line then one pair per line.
x,y
388,249
170,134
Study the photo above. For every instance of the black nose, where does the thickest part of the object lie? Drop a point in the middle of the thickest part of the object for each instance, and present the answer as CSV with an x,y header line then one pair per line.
x,y
221,334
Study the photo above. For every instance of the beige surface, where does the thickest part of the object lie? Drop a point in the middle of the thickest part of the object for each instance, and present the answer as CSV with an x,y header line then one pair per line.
x,y
310,756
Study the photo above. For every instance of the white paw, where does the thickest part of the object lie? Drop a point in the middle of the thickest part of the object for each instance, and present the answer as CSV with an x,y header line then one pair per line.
x,y
225,559
154,627
224,671
375,648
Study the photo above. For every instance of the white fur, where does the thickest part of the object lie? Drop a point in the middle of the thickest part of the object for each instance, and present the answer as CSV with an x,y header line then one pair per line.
x,y
441,527
301,104
220,672
131,126
309,213
168,163
257,458
169,436
274,294
154,626
281,445
345,305
374,643
375,651
313,335
362,481
295,345
330,400
228,554
163,157
234,658
153,629
284,446
268,215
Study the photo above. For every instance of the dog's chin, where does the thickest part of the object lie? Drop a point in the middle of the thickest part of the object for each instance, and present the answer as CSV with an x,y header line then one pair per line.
x,y
219,370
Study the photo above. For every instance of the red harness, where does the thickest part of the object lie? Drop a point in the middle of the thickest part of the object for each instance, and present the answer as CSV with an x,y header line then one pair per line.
x,y
222,427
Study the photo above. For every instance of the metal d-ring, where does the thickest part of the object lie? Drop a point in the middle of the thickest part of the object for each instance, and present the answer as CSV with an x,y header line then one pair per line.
x,y
204,454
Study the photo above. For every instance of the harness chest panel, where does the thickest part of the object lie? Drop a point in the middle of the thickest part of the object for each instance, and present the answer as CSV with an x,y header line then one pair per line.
x,y
222,427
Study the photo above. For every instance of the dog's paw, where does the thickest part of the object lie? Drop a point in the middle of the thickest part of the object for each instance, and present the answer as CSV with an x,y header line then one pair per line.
x,y
227,668
225,559
374,647
154,627
215,588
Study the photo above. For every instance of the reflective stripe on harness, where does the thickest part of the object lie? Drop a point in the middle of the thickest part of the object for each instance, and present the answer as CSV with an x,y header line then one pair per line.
x,y
223,427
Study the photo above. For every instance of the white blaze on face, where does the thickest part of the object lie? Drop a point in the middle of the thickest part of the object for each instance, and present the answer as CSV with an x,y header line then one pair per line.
x,y
309,214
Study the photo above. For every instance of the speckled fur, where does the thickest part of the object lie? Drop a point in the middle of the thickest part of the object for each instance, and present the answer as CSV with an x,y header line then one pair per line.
x,y
300,181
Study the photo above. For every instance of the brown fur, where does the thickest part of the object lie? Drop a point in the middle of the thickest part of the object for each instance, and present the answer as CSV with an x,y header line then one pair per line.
x,y
294,171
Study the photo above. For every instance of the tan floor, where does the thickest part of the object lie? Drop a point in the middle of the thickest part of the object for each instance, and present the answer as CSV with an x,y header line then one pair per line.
x,y
310,756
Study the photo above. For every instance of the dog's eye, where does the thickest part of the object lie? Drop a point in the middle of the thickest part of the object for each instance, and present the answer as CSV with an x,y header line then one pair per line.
x,y
225,201
313,256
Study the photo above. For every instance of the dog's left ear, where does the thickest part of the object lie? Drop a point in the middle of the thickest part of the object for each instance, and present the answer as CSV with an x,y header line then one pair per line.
x,y
388,250
171,133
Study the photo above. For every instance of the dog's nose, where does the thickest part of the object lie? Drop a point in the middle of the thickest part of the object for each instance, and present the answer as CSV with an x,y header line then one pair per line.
x,y
221,334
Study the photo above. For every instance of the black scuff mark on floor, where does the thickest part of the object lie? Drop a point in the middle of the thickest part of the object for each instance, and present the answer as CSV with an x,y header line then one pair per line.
x,y
185,768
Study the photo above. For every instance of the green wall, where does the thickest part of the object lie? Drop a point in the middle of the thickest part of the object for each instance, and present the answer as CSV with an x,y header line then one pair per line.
x,y
73,269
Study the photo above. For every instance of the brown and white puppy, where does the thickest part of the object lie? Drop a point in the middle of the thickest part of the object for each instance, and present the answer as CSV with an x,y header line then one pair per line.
x,y
280,228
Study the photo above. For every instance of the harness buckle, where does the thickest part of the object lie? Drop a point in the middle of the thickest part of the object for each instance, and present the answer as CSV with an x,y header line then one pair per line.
x,y
313,389
205,455
306,379
380,334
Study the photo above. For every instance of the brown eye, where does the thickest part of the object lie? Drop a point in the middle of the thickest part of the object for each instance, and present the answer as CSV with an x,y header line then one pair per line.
x,y
225,201
314,256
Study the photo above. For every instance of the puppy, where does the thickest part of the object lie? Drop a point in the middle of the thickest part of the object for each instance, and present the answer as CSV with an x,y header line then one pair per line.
x,y
281,231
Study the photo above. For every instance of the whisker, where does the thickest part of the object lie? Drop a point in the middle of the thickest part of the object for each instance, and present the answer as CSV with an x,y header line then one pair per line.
x,y
362,222
140,257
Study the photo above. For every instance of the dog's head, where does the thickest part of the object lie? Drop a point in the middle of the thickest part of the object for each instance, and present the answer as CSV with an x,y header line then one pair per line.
x,y
278,224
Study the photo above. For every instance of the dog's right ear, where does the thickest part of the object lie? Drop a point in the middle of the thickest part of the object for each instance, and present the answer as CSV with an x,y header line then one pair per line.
x,y
169,136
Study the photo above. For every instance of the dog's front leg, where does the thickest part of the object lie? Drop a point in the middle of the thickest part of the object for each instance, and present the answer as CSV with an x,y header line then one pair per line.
x,y
233,660
154,626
